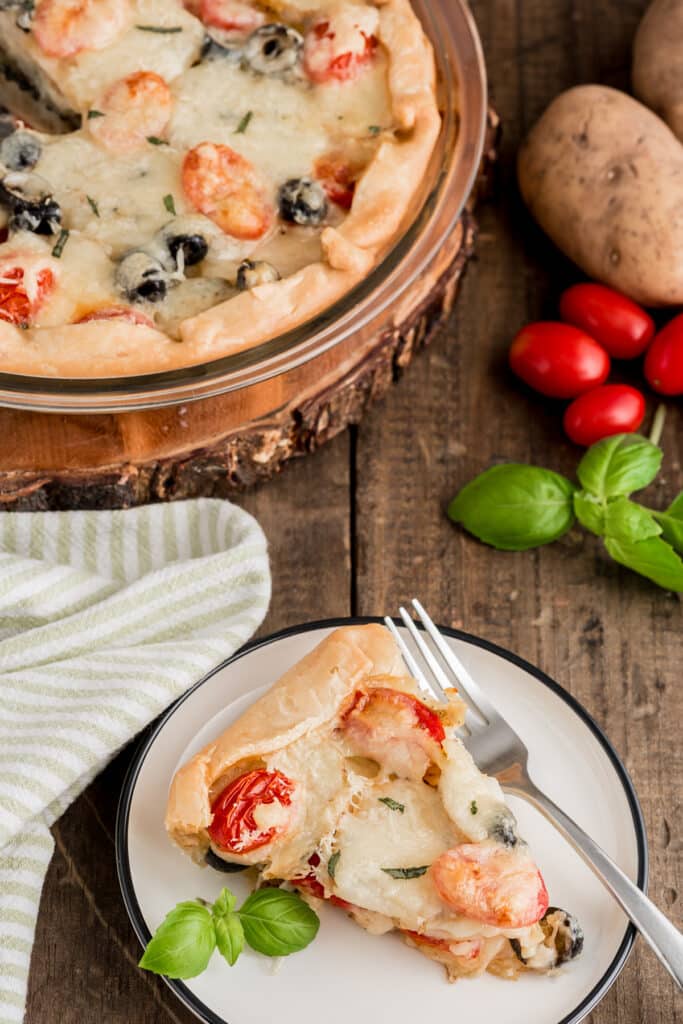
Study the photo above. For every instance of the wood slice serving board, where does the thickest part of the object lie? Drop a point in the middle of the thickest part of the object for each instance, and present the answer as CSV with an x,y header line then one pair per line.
x,y
216,445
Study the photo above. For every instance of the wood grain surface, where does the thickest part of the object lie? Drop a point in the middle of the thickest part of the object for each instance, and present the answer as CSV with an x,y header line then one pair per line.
x,y
360,526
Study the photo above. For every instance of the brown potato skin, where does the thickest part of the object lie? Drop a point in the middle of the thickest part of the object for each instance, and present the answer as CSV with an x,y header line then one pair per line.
x,y
657,70
603,176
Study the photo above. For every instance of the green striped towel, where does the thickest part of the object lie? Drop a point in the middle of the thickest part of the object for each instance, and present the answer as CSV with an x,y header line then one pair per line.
x,y
105,618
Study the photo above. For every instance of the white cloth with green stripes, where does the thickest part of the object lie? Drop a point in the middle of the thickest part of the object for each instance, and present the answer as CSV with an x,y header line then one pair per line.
x,y
105,618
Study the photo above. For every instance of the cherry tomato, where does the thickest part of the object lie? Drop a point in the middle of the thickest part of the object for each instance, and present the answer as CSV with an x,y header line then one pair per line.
x,y
664,359
234,827
336,176
558,360
382,700
338,47
132,316
17,306
610,409
620,325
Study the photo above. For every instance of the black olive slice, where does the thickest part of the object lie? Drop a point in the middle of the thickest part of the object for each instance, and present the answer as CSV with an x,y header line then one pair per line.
x,y
194,248
142,278
223,865
20,151
273,49
251,273
302,201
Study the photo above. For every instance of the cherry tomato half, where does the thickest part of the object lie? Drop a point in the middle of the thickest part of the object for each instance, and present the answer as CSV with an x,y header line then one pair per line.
x,y
131,316
234,827
610,409
620,325
16,307
382,700
664,359
558,360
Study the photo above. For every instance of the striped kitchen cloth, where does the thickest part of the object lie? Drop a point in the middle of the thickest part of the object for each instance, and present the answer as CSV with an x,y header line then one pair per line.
x,y
105,618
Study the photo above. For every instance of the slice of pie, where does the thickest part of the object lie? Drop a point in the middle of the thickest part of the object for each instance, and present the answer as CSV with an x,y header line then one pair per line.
x,y
346,783
236,167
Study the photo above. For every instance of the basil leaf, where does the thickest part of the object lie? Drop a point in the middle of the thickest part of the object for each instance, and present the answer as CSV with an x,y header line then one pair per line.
x,y
277,923
406,872
182,944
671,522
225,903
473,807
626,520
619,465
229,937
393,805
653,558
332,864
590,511
515,507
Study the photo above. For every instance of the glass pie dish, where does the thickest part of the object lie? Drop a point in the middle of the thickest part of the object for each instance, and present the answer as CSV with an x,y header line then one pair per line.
x,y
367,307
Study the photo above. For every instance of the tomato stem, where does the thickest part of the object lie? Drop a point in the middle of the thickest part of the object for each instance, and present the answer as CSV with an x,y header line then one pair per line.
x,y
658,424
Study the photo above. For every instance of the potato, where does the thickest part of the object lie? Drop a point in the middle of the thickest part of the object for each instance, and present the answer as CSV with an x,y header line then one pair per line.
x,y
658,61
603,176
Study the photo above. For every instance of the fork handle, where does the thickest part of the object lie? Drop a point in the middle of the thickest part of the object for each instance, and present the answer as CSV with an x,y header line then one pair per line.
x,y
656,929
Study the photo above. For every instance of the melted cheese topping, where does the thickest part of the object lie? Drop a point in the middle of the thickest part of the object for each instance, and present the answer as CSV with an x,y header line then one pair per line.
x,y
318,768
371,836
471,798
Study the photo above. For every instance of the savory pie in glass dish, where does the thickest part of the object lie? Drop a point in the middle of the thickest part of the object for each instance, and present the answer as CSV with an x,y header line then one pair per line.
x,y
344,782
210,175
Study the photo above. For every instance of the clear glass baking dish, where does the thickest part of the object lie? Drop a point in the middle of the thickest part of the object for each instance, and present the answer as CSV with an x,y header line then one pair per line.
x,y
462,75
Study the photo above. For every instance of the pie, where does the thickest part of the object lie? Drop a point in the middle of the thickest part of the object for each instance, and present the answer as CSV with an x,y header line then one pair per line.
x,y
345,783
208,175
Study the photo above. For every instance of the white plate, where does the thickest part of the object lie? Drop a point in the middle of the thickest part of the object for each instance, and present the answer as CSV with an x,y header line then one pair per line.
x,y
346,974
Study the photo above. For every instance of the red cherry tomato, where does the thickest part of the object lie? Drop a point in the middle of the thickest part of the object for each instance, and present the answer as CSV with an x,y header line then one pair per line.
x,y
664,359
16,305
339,47
621,326
610,409
132,316
234,827
558,360
381,699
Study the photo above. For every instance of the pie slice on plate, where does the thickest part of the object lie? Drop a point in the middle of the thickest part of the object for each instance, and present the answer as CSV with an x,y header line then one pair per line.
x,y
226,170
345,783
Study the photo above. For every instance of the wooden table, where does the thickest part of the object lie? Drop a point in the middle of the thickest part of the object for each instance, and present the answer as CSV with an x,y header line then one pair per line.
x,y
360,526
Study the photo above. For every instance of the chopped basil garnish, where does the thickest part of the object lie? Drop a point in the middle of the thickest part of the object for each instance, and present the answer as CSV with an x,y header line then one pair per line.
x,y
93,205
154,140
374,129
393,805
169,204
92,114
164,30
60,243
244,123
406,872
332,864
473,807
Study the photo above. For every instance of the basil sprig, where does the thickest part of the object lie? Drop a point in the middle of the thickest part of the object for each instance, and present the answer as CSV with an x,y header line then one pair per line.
x,y
514,507
271,921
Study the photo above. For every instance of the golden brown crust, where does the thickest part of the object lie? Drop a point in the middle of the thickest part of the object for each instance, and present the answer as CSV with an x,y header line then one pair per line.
x,y
304,698
383,202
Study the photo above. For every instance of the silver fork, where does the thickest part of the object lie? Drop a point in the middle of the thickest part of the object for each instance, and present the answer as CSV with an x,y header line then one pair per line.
x,y
498,750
